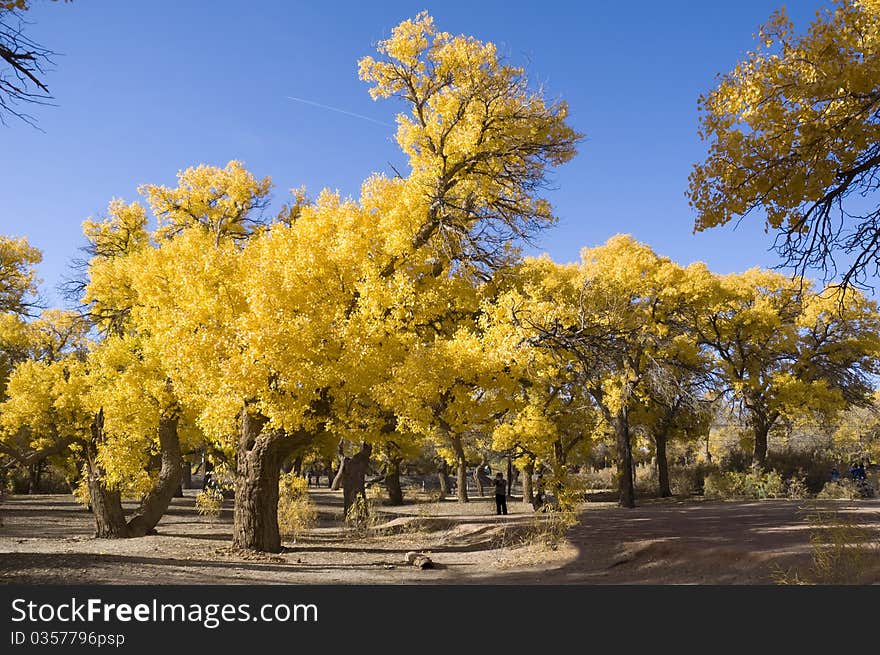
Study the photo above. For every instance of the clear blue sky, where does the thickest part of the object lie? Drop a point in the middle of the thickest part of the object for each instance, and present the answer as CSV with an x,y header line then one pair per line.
x,y
146,88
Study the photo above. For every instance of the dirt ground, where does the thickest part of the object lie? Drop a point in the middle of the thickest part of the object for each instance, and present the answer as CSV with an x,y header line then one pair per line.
x,y
48,539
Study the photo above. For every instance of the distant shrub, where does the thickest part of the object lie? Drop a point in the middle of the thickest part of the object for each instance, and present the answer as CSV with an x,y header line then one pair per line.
x,y
646,482
813,467
296,512
796,488
602,479
736,460
683,480
753,483
843,490
720,485
209,502
689,480
53,480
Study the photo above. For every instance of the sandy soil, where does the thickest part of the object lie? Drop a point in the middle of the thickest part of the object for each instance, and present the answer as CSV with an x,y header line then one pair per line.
x,y
48,539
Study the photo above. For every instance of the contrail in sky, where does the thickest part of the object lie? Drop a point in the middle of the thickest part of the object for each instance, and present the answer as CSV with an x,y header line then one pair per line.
x,y
338,110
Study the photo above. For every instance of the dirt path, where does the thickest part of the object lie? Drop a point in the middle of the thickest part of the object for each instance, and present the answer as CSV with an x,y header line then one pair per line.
x,y
696,542
47,539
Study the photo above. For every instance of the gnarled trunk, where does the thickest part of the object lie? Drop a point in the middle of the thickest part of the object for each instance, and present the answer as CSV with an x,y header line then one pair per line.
x,y
351,474
156,503
443,477
186,470
106,503
258,459
761,429
528,468
392,482
662,465
625,485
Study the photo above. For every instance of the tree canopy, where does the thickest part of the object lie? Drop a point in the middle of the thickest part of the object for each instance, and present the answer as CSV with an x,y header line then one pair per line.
x,y
794,134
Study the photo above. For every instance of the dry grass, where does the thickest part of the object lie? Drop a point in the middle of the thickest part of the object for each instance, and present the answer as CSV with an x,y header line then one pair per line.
x,y
843,551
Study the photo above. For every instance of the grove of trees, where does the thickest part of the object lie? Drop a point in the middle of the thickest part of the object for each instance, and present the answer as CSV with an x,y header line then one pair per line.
x,y
404,323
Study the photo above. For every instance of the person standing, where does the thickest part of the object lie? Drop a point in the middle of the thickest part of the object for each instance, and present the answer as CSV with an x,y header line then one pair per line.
x,y
500,493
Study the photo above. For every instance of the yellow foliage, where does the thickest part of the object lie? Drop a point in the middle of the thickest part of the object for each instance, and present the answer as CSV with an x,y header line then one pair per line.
x,y
792,133
296,512
18,279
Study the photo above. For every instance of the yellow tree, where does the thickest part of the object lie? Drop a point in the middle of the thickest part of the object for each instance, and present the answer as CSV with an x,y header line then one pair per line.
x,y
36,353
18,291
856,433
782,350
613,319
18,281
135,410
443,392
252,331
53,403
549,423
139,416
144,428
188,299
480,141
676,403
794,133
43,413
114,403
544,414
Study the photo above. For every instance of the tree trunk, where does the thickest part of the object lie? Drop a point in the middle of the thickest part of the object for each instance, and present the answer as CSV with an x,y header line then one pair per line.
x,y
330,476
208,477
187,480
106,503
662,465
509,477
761,430
156,503
527,470
461,470
258,459
35,470
443,476
350,476
559,454
392,483
624,460
478,475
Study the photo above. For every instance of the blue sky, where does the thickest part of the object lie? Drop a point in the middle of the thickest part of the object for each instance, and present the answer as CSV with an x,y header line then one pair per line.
x,y
146,88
